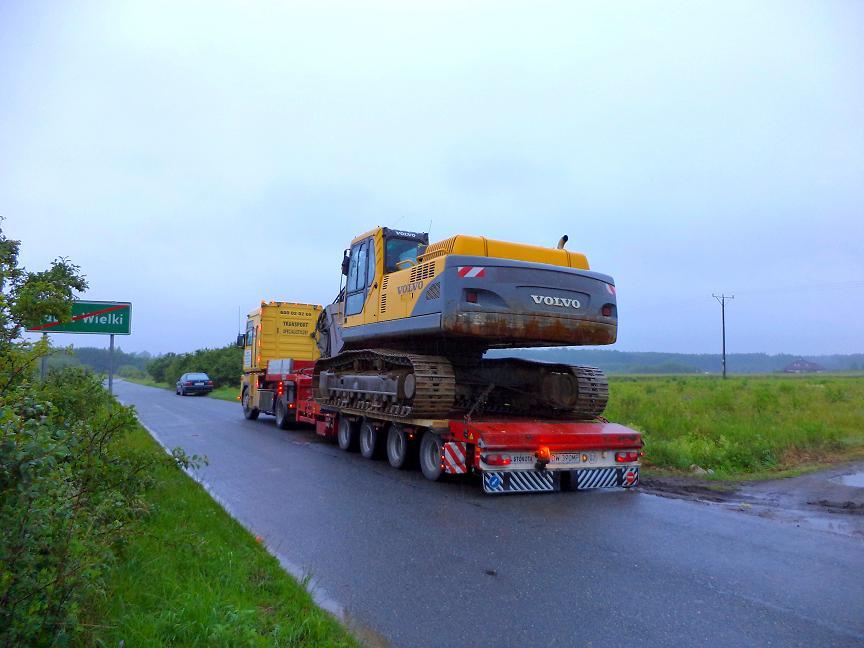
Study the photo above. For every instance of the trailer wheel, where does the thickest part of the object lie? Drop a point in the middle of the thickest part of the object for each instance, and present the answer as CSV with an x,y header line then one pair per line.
x,y
347,434
397,446
249,412
369,438
283,420
430,455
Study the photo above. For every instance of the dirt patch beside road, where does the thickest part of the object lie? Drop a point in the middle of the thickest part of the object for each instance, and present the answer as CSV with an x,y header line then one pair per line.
x,y
830,500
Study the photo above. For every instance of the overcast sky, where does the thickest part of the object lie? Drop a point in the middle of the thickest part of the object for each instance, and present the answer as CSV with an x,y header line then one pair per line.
x,y
197,157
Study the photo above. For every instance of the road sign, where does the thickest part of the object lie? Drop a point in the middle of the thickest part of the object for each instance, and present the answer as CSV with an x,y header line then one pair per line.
x,y
105,318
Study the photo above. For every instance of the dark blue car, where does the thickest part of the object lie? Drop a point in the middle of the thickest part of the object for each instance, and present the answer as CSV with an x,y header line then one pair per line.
x,y
194,383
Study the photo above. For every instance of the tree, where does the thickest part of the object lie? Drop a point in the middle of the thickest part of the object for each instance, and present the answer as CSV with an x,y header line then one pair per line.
x,y
28,299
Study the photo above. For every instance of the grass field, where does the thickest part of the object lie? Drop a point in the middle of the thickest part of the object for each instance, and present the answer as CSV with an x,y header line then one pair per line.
x,y
757,426
191,575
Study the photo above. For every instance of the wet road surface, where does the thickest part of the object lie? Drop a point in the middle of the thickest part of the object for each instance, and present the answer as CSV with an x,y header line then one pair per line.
x,y
413,563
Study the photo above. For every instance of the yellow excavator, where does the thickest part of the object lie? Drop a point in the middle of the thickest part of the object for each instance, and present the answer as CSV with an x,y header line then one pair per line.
x,y
406,336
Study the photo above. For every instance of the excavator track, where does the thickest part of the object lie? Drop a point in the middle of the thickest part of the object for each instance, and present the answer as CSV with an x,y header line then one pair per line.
x,y
398,384
408,385
526,388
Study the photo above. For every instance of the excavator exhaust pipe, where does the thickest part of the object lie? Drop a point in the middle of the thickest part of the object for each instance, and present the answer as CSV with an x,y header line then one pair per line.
x,y
562,242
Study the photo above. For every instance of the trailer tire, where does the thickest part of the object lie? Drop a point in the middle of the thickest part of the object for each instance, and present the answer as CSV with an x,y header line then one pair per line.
x,y
283,420
251,413
346,435
431,447
369,440
398,449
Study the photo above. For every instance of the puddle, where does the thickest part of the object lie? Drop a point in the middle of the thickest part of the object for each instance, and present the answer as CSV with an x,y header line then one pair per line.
x,y
855,479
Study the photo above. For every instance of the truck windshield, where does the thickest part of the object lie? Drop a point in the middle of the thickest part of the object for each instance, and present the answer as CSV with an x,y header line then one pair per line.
x,y
397,250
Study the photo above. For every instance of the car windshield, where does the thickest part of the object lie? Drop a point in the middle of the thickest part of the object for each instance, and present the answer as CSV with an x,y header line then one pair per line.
x,y
401,250
197,376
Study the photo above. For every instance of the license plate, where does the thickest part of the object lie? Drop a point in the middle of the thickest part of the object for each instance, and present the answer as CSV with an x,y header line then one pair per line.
x,y
575,458
199,384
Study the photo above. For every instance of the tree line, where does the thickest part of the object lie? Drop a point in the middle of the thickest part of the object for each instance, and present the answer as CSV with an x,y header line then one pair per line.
x,y
638,362
224,365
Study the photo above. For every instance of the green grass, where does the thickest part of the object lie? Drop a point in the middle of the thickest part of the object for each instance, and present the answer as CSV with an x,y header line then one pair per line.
x,y
222,393
191,575
743,427
227,393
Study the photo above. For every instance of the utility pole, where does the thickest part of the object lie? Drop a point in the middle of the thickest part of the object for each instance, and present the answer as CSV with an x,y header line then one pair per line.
x,y
721,299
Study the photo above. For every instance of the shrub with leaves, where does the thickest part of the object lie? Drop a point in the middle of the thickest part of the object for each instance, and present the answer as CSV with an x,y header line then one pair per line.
x,y
68,492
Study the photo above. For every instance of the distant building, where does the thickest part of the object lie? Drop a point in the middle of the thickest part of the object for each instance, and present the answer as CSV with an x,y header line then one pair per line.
x,y
803,366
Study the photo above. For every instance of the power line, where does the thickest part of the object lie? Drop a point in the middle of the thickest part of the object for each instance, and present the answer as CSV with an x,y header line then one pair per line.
x,y
721,299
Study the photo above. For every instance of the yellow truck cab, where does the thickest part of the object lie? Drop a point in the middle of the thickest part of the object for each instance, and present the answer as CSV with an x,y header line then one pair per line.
x,y
279,341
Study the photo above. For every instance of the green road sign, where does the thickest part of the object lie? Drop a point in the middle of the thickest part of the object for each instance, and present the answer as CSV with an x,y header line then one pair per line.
x,y
107,318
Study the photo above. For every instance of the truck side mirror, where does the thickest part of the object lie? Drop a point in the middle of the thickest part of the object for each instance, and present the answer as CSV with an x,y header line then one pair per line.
x,y
241,340
345,262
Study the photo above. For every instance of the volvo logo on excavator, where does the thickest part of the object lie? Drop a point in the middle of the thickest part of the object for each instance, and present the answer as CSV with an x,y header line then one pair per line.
x,y
409,288
563,302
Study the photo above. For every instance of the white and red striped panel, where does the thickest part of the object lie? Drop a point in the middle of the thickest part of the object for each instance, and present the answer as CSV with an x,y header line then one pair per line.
x,y
453,457
470,272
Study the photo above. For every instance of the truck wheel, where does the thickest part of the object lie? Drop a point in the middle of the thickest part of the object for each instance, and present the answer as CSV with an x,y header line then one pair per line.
x,y
249,412
397,446
430,456
347,434
283,420
369,437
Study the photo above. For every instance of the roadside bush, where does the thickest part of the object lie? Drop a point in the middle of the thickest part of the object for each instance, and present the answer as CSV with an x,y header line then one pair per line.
x,y
67,496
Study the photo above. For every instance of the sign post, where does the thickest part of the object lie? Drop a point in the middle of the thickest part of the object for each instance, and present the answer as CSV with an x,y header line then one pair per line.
x,y
93,317
111,365
43,363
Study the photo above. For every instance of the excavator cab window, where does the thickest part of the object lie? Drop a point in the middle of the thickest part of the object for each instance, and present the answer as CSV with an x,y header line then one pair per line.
x,y
362,255
401,253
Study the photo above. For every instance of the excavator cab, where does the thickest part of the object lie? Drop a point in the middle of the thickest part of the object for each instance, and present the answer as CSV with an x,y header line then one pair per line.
x,y
372,257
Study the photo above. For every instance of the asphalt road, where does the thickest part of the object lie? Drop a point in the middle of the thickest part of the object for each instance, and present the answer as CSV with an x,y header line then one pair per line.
x,y
415,563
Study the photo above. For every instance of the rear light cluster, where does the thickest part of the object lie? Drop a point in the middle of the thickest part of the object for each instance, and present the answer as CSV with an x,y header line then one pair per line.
x,y
627,457
607,310
471,296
